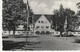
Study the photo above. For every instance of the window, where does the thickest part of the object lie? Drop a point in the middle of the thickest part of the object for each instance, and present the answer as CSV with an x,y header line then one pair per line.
x,y
47,32
42,21
39,22
37,32
47,26
37,27
42,32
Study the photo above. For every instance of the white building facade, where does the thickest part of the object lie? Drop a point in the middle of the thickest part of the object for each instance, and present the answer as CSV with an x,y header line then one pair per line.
x,y
43,25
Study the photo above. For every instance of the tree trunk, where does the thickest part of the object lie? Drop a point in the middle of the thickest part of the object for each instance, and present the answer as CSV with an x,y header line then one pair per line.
x,y
61,34
14,30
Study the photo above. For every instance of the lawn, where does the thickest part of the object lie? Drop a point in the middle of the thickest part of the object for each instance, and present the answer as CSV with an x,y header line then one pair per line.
x,y
45,43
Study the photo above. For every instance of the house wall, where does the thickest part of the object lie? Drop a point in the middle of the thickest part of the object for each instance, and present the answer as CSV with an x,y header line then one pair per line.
x,y
41,24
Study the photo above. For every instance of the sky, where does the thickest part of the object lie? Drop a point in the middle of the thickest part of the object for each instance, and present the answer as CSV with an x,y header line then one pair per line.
x,y
48,6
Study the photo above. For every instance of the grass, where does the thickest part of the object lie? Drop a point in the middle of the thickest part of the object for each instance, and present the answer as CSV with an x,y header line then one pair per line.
x,y
44,42
8,45
18,42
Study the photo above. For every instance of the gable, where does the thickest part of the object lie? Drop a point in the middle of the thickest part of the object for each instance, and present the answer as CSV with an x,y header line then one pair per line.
x,y
37,16
43,19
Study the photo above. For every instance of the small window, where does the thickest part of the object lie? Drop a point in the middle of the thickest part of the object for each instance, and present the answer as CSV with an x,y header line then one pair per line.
x,y
37,32
39,22
42,21
47,26
37,27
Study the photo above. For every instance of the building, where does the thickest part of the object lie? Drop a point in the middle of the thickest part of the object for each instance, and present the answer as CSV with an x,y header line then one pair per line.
x,y
42,24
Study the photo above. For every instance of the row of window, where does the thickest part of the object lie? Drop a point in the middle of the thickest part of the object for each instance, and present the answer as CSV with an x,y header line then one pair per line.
x,y
43,32
41,22
42,27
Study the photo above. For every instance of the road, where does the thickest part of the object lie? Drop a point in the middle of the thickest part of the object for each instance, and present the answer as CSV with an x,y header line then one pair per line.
x,y
51,43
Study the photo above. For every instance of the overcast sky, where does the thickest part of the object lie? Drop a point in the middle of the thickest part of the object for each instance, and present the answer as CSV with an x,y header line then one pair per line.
x,y
48,6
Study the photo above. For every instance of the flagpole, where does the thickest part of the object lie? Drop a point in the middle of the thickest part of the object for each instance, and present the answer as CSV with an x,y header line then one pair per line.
x,y
56,25
27,19
33,24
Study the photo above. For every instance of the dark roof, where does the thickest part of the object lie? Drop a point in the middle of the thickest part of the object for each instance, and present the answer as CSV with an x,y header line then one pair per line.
x,y
37,16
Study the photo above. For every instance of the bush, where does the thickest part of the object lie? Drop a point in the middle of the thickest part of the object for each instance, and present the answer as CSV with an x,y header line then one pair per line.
x,y
77,41
71,35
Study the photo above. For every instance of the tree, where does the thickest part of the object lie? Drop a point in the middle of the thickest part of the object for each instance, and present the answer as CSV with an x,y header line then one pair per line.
x,y
60,17
78,4
13,11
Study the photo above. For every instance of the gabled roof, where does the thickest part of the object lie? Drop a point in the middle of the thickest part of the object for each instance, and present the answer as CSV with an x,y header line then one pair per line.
x,y
37,16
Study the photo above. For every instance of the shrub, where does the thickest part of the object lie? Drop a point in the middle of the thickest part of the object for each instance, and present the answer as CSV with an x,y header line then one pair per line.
x,y
71,35
77,41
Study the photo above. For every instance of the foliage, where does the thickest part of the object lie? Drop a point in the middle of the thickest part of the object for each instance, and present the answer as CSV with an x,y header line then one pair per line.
x,y
60,17
13,10
78,4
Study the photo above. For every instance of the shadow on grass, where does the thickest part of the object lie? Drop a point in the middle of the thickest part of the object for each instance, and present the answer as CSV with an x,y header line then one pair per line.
x,y
77,41
8,45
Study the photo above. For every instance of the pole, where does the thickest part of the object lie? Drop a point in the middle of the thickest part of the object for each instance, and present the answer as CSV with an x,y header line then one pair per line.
x,y
56,25
27,19
33,24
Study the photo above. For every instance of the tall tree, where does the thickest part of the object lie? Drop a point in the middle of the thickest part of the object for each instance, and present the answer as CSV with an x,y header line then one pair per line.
x,y
13,11
29,16
60,17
